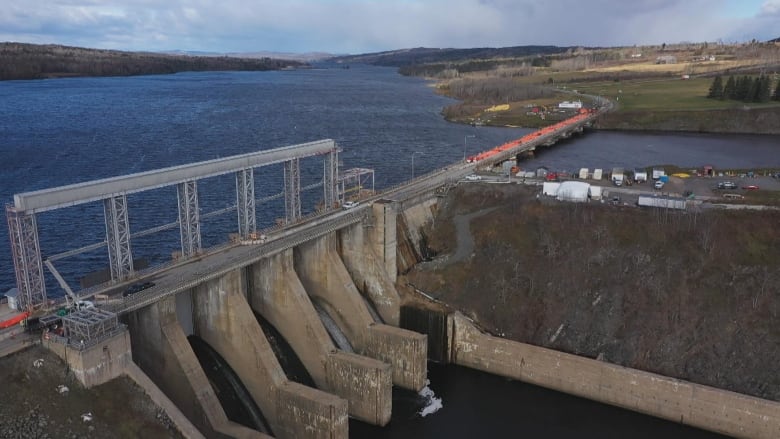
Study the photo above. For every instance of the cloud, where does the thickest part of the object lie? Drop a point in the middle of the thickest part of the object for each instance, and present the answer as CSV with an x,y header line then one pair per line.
x,y
353,26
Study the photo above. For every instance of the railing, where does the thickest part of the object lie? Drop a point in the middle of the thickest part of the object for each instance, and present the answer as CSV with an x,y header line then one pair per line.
x,y
80,345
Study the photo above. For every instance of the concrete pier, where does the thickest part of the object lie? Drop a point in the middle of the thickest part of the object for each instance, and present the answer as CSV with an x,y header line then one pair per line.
x,y
224,320
162,351
278,295
99,363
324,277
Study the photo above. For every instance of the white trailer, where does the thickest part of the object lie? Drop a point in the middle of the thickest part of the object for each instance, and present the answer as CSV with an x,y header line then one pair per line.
x,y
583,173
597,173
658,173
662,202
640,175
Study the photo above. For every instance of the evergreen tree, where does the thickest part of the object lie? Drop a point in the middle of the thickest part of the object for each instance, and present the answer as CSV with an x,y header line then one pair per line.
x,y
716,89
777,91
743,88
764,93
730,89
752,93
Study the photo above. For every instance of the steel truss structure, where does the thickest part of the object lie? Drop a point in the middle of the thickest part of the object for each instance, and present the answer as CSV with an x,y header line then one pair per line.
x,y
26,253
89,325
189,218
112,192
330,179
292,190
352,183
245,202
120,256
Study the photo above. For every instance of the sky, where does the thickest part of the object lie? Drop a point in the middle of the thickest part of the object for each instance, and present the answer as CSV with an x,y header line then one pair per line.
x,y
361,26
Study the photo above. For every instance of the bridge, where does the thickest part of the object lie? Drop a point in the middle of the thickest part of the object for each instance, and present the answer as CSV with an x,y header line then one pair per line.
x,y
340,262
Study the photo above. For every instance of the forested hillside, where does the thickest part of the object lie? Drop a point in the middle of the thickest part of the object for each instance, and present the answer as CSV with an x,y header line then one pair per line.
x,y
32,61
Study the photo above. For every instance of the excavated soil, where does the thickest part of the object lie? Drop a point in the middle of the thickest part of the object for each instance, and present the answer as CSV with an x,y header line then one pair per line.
x,y
693,295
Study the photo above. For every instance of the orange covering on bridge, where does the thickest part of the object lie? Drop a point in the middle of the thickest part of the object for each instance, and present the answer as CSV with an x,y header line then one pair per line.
x,y
583,114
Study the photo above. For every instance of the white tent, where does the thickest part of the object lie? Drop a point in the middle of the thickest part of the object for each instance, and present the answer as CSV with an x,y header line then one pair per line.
x,y
576,191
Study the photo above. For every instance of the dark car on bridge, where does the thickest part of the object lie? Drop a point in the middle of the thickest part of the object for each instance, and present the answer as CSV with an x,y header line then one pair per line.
x,y
136,288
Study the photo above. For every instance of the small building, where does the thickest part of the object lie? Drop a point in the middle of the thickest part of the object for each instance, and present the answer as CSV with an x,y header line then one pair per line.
x,y
542,172
658,173
597,173
583,175
640,175
574,191
13,298
707,171
666,59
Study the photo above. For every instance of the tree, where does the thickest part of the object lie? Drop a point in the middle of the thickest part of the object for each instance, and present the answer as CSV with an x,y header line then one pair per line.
x,y
716,89
730,89
764,92
752,90
743,88
777,91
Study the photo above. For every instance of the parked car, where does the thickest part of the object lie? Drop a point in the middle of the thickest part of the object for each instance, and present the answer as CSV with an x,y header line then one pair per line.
x,y
750,187
658,184
349,204
83,304
136,288
473,177
727,185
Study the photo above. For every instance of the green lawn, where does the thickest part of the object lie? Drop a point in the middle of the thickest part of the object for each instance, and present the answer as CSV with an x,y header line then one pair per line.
x,y
661,94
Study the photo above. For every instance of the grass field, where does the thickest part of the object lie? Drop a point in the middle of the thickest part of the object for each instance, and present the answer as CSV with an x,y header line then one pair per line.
x,y
662,94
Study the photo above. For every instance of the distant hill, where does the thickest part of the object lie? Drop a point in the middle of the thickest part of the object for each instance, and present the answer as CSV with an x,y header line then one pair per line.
x,y
424,55
300,57
34,61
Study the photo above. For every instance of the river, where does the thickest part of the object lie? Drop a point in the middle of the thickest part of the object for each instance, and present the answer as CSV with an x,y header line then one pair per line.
x,y
63,131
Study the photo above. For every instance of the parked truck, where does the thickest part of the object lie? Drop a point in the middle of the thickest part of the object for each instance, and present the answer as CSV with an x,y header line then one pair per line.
x,y
617,176
640,175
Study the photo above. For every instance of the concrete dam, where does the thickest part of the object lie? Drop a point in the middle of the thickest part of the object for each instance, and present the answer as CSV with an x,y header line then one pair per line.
x,y
341,263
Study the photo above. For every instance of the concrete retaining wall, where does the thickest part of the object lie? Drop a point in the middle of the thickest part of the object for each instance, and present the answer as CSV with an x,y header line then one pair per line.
x,y
410,222
678,401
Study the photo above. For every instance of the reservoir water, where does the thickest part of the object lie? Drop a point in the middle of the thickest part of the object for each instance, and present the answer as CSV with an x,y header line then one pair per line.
x,y
63,131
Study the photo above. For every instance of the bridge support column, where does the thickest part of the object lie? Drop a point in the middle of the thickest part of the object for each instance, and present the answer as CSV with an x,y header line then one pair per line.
x,y
26,251
223,318
245,202
189,218
324,276
277,294
118,237
161,349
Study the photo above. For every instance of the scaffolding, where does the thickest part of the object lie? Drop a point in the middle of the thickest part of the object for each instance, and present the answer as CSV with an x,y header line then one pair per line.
x,y
355,183
89,326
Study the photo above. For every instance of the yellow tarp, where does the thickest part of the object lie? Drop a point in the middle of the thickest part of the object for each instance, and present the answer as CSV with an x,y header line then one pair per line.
x,y
681,175
502,107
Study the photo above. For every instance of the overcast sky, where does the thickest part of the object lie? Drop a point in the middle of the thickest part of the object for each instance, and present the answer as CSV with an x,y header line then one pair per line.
x,y
358,26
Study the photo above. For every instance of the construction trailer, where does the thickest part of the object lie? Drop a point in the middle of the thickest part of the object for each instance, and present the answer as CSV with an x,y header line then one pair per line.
x,y
663,202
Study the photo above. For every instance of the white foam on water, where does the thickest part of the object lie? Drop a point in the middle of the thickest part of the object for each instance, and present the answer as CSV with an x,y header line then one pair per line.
x,y
432,403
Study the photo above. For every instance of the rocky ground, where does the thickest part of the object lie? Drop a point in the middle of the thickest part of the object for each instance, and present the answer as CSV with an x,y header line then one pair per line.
x,y
691,295
32,407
